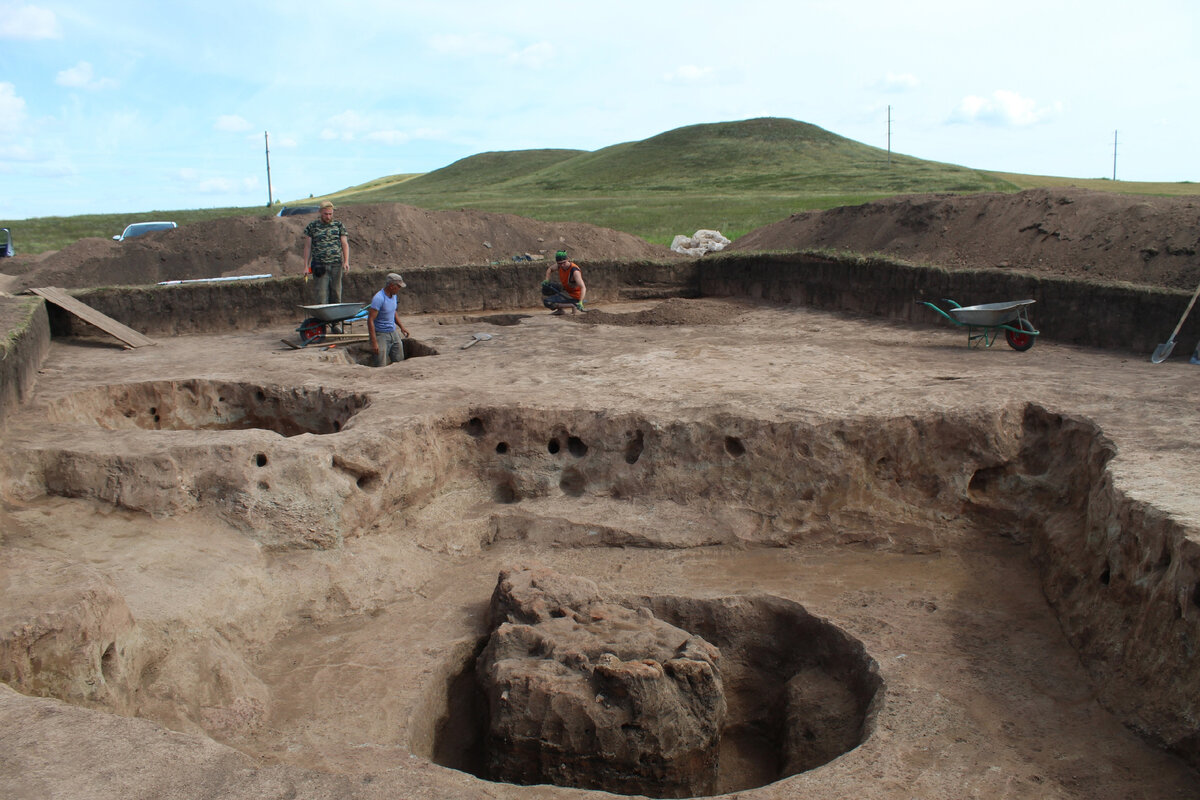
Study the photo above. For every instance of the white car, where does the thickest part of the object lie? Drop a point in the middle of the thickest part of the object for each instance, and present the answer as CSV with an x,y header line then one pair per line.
x,y
139,228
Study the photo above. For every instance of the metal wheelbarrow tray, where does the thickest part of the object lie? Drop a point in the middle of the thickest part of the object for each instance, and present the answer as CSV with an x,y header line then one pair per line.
x,y
314,329
985,322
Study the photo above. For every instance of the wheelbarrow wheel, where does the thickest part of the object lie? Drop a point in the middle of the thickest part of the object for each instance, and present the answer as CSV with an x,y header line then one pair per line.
x,y
311,331
1021,341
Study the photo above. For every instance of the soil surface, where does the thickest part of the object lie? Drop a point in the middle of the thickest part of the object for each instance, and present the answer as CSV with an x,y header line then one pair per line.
x,y
1144,240
258,652
386,236
197,600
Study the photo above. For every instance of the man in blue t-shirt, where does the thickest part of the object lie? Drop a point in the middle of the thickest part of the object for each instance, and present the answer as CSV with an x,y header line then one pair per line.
x,y
383,321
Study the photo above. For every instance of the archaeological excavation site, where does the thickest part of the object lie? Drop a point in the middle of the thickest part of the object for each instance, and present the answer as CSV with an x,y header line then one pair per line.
x,y
744,528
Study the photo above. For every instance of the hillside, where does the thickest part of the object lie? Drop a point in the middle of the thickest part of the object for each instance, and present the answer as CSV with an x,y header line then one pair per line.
x,y
752,155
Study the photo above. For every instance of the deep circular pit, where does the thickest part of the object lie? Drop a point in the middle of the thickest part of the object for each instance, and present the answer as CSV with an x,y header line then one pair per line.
x,y
800,692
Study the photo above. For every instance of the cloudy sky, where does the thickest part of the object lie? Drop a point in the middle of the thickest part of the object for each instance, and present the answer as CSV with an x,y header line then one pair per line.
x,y
124,106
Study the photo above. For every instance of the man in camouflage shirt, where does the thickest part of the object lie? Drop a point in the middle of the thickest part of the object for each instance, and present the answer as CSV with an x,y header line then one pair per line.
x,y
326,256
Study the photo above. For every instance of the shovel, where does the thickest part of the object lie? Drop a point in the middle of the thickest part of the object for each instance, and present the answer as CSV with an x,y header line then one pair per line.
x,y
483,337
1163,350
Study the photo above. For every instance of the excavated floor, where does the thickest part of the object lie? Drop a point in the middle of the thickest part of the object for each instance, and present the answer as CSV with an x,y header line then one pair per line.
x,y
285,557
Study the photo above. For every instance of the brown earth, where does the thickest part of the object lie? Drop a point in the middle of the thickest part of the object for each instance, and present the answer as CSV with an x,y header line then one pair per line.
x,y
233,569
1150,241
1101,236
387,236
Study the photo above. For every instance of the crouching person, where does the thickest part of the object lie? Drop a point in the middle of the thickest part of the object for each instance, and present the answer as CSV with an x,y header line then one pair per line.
x,y
384,324
570,289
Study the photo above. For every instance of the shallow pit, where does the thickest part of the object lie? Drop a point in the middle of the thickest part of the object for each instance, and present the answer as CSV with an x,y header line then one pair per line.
x,y
200,405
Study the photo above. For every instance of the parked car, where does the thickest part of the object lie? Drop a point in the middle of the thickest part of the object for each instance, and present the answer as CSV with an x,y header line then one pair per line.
x,y
291,211
139,228
6,247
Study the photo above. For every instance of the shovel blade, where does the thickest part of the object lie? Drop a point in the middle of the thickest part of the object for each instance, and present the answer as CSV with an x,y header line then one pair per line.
x,y
1162,352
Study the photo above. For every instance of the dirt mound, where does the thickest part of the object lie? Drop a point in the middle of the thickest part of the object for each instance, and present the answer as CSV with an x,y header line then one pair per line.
x,y
388,235
674,311
1143,240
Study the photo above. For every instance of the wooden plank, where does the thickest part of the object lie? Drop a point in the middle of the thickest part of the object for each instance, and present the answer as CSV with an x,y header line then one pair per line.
x,y
90,315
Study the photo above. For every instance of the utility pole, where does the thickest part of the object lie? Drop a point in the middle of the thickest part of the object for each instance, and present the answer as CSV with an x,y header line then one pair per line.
x,y
270,194
889,135
1114,155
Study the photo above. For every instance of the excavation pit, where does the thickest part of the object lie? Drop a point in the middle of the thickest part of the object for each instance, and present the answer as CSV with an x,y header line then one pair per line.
x,y
979,560
361,353
795,692
202,405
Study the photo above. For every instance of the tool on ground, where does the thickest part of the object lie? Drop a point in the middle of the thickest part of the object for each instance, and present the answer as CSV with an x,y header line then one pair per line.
x,y
1163,350
984,323
477,337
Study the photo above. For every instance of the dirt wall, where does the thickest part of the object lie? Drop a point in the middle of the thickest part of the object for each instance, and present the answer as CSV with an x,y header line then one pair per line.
x,y
1109,316
22,349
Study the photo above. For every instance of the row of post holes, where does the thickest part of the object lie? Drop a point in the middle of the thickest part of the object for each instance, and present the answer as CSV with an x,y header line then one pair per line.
x,y
578,448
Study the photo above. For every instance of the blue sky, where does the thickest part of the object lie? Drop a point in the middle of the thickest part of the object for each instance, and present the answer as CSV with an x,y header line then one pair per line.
x,y
125,106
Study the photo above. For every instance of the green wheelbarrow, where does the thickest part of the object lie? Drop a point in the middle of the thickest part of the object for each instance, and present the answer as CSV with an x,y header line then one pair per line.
x,y
985,322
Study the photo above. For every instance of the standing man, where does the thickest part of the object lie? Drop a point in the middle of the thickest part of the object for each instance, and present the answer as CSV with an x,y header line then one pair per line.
x,y
382,322
570,289
326,255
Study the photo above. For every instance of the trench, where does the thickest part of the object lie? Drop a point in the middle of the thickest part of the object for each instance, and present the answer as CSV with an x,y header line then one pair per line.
x,y
603,486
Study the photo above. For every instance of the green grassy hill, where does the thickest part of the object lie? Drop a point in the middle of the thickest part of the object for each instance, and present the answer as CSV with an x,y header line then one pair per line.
x,y
731,176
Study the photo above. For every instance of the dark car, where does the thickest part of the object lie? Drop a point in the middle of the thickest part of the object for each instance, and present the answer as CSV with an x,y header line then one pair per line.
x,y
293,211
6,248
140,228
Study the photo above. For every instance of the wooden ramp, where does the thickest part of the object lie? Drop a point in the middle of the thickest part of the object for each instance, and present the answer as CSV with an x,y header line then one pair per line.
x,y
90,315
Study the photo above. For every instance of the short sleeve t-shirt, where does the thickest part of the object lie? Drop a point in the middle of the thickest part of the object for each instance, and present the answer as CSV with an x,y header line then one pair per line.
x,y
326,242
386,306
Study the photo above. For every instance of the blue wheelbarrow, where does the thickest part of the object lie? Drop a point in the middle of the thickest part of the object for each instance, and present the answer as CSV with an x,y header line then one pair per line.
x,y
985,322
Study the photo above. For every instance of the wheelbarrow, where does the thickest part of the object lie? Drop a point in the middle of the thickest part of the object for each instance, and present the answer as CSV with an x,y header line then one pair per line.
x,y
985,322
315,328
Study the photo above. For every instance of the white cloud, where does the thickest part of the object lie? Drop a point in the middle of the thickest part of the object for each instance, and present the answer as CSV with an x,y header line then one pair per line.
x,y
534,56
81,76
688,72
216,186
27,22
898,83
346,126
232,123
389,137
1004,107
12,109
16,152
473,44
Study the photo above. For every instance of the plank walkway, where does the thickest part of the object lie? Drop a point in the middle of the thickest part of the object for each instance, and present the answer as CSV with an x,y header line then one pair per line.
x,y
60,298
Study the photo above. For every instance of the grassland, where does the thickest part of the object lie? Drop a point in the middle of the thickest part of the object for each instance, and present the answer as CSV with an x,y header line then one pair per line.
x,y
731,176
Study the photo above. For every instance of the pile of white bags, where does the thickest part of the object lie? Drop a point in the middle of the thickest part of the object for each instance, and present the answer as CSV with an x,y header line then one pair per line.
x,y
701,242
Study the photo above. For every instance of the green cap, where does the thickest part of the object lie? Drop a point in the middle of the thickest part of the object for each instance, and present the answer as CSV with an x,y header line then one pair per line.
x,y
561,255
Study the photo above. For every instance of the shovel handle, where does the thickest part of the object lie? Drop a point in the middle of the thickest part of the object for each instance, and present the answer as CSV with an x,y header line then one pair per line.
x,y
468,344
1187,311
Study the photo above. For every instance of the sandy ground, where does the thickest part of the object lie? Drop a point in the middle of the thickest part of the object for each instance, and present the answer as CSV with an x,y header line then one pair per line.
x,y
332,653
